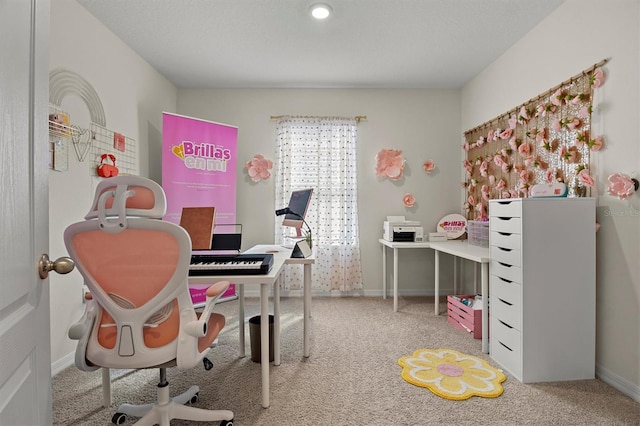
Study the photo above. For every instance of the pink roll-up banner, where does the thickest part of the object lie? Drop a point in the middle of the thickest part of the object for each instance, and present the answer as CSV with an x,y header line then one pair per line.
x,y
199,170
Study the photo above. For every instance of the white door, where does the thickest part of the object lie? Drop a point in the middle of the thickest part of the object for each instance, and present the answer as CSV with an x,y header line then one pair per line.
x,y
25,364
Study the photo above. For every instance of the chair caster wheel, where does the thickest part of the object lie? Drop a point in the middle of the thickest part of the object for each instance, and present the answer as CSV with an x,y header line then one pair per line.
x,y
226,423
118,418
208,365
194,399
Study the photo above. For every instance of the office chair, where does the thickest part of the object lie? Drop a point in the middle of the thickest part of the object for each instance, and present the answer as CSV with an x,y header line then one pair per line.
x,y
139,312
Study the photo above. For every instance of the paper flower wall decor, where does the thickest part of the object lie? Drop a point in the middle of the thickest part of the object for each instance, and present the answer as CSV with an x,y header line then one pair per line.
x,y
428,166
259,168
390,164
408,200
622,186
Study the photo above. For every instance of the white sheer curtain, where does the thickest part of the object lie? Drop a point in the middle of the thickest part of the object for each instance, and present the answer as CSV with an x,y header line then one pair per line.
x,y
320,153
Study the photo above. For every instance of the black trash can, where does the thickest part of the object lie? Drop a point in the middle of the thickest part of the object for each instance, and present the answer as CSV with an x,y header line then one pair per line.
x,y
254,335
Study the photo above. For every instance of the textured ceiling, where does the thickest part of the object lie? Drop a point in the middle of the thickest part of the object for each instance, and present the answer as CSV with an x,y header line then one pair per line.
x,y
276,44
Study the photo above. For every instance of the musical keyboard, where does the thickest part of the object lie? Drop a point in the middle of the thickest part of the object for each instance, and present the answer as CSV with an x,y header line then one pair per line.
x,y
230,264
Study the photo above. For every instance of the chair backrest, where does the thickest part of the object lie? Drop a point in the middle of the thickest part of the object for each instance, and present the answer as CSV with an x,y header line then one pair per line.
x,y
136,268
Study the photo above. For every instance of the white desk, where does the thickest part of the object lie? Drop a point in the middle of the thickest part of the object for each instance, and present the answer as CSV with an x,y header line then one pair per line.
x,y
281,256
464,250
459,249
395,246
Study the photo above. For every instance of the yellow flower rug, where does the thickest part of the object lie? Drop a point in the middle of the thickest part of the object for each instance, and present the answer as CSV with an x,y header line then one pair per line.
x,y
451,374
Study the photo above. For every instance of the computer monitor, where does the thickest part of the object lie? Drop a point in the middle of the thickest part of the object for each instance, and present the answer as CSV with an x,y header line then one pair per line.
x,y
298,206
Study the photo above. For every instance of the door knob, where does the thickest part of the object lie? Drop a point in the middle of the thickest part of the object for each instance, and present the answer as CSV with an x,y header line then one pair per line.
x,y
62,265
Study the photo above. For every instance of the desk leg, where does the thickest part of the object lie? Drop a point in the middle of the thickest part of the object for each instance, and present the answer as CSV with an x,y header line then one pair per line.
x,y
395,280
455,274
307,307
240,288
264,342
106,387
384,271
485,311
276,321
436,300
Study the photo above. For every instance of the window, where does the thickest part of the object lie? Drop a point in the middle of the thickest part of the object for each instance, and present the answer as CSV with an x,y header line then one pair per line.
x,y
320,153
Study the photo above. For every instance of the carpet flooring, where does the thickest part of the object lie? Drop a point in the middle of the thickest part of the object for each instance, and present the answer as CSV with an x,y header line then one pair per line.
x,y
351,378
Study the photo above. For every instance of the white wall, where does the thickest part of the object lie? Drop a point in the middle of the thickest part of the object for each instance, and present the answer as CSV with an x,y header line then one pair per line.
x,y
577,35
133,96
424,124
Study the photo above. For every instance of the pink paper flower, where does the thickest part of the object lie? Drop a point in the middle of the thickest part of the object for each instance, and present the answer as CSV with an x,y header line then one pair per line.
x,y
597,78
467,166
597,143
557,97
514,143
573,123
258,168
586,179
512,122
484,167
584,112
390,164
428,166
525,149
506,133
549,175
501,185
621,186
408,200
523,115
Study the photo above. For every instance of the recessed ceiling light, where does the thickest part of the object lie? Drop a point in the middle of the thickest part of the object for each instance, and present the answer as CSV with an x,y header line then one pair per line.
x,y
320,10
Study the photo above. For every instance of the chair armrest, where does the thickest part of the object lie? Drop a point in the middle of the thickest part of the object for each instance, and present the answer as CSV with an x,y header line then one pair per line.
x,y
84,325
196,328
213,294
216,290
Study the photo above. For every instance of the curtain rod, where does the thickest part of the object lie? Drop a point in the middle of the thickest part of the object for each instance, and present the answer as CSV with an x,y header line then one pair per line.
x,y
358,117
536,98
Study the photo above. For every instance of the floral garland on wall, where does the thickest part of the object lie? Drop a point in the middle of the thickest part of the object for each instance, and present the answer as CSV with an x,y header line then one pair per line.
x,y
546,140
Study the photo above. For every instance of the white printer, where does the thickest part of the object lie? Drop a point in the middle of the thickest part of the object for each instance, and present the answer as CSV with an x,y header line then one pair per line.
x,y
397,228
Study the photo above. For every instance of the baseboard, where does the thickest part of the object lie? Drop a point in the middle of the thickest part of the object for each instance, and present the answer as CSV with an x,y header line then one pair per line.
x,y
620,383
62,363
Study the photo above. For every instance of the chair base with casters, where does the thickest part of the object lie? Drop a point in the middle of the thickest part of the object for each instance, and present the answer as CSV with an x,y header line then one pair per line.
x,y
167,408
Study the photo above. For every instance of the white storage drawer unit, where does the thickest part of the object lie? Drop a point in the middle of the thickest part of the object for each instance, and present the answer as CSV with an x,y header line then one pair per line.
x,y
542,287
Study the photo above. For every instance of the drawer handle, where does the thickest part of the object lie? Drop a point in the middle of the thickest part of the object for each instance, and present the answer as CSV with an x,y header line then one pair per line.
x,y
506,234
504,203
504,249
505,265
504,323
504,218
508,348
506,280
506,303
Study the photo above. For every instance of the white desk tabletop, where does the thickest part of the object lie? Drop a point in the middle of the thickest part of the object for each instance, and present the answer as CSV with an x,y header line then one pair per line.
x,y
281,252
404,244
462,248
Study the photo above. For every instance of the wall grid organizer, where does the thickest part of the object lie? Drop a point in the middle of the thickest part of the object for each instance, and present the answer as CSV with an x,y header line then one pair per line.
x,y
96,140
546,139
